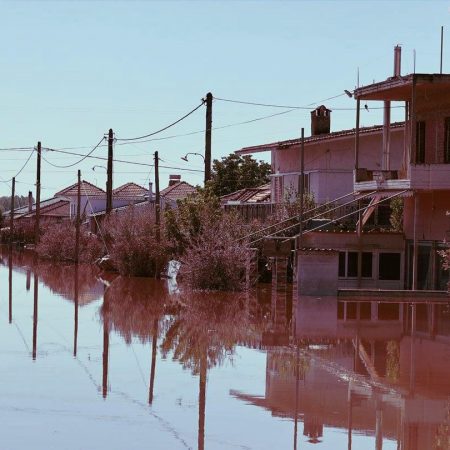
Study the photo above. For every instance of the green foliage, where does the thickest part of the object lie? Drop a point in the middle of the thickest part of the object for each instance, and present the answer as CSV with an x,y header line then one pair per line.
x,y
396,218
185,223
236,172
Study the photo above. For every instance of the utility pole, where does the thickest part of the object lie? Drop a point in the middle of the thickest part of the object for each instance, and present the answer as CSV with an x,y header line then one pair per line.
x,y
109,181
157,199
77,223
157,208
38,194
442,48
209,101
11,218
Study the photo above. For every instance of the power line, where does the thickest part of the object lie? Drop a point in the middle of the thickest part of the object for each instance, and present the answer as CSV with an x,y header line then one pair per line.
x,y
102,158
243,102
20,170
164,128
77,162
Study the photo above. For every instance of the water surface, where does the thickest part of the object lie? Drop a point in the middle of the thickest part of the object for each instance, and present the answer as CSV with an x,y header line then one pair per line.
x,y
92,361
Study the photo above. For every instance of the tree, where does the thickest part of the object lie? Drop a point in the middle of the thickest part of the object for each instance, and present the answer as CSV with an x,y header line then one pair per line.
x,y
235,172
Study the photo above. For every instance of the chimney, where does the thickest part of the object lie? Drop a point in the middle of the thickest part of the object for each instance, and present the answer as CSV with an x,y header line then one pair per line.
x,y
320,121
30,201
397,60
174,179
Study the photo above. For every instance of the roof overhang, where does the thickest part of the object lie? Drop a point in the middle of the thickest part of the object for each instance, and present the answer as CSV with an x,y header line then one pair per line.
x,y
400,88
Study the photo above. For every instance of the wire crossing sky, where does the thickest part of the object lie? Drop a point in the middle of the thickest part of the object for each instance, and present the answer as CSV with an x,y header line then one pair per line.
x,y
73,69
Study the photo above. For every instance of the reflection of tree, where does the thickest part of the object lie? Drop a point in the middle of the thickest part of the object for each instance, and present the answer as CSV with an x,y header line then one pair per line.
x,y
134,304
284,362
211,325
392,361
442,436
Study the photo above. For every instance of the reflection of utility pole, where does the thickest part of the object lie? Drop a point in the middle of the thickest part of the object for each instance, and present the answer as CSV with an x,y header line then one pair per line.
x,y
202,400
35,314
153,364
105,346
75,320
10,283
78,220
297,370
350,418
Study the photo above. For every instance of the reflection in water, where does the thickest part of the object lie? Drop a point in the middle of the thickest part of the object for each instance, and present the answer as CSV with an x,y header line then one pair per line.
x,y
35,314
356,374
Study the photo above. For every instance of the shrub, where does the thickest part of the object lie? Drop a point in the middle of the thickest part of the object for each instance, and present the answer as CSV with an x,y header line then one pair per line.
x,y
215,259
57,243
396,218
132,242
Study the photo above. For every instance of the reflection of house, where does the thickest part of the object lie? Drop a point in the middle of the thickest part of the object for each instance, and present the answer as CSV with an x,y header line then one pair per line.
x,y
379,369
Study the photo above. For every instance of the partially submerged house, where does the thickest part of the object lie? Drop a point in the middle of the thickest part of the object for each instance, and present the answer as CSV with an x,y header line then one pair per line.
x,y
176,190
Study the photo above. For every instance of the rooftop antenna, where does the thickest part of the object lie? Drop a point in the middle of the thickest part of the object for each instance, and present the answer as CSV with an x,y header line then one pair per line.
x,y
442,46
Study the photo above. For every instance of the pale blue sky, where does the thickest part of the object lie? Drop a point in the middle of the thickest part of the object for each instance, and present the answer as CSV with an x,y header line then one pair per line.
x,y
72,70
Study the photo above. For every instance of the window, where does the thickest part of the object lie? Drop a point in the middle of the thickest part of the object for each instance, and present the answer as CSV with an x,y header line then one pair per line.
x,y
342,264
420,142
352,264
348,264
447,141
366,266
389,266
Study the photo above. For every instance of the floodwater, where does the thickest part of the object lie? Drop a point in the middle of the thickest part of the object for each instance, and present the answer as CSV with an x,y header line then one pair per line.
x,y
124,364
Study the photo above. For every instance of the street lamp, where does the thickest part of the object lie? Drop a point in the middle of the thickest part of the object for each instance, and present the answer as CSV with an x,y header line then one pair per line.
x,y
101,167
185,157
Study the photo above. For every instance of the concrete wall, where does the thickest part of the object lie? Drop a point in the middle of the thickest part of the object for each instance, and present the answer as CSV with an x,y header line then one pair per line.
x,y
432,221
317,272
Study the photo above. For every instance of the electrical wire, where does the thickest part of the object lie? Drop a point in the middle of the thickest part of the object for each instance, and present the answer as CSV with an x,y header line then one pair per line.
x,y
164,128
102,158
243,102
20,170
77,162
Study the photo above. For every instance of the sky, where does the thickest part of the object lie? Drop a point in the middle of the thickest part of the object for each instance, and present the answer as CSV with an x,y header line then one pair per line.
x,y
71,70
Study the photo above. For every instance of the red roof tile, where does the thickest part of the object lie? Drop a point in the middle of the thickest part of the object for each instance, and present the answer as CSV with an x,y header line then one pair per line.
x,y
178,191
87,188
130,190
249,195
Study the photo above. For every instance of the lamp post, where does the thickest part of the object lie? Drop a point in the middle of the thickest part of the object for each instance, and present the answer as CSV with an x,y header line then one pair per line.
x,y
185,157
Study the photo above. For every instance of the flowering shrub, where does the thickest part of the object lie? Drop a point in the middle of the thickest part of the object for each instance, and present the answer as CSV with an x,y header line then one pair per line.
x,y
132,242
57,243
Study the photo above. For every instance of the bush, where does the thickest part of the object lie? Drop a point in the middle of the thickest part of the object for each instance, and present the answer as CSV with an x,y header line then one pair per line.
x,y
132,242
215,259
57,243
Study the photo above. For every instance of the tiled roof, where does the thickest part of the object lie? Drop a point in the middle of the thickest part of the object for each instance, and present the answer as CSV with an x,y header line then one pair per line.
x,y
249,195
317,138
130,190
60,208
86,189
178,191
23,210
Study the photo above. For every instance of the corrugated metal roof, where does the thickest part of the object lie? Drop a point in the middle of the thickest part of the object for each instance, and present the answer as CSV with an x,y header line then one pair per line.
x,y
249,195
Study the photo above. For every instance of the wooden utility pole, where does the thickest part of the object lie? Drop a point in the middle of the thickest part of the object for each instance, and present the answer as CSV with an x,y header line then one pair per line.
x,y
78,220
157,199
38,195
209,100
442,48
109,181
302,182
11,218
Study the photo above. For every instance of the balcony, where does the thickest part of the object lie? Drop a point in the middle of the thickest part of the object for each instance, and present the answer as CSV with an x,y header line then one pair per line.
x,y
424,177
